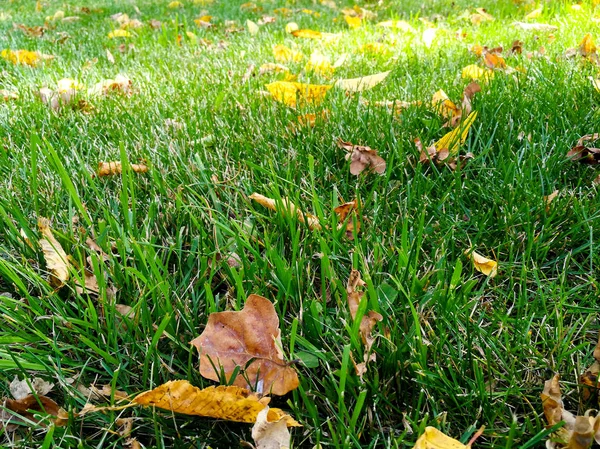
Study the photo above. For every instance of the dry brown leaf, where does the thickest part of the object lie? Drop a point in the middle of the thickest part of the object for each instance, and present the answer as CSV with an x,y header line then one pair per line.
x,y
56,258
268,434
114,168
370,319
347,211
583,153
362,157
26,406
287,207
483,264
590,377
249,339
36,31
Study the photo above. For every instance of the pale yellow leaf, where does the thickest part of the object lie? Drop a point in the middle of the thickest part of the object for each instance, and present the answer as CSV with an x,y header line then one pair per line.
x,y
285,54
290,93
291,27
433,438
483,264
398,24
252,27
268,434
118,33
475,72
55,256
535,13
428,36
363,83
353,22
287,207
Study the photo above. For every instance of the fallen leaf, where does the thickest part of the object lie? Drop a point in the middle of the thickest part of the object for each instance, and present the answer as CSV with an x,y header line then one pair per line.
x,y
26,406
345,213
584,153
398,25
271,67
429,36
310,119
549,198
353,22
291,27
453,140
229,403
120,84
290,93
433,438
362,157
269,434
22,388
362,83
320,64
251,340
7,95
36,31
285,54
535,26
115,168
494,60
55,256
119,33
483,264
535,13
312,34
252,27
589,378
475,72
287,207
25,57
174,5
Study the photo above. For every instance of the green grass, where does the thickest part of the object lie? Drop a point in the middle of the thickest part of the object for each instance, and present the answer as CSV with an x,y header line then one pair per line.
x,y
455,350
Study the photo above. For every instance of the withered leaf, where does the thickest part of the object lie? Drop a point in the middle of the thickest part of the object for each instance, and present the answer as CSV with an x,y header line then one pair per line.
x,y
583,153
362,157
27,406
249,339
370,319
483,264
363,83
433,438
345,212
287,207
114,168
590,377
268,434
56,258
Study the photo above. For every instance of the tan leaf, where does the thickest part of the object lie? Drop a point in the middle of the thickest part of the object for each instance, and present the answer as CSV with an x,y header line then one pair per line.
x,y
483,264
347,211
115,168
6,95
287,207
249,339
433,438
22,388
56,258
362,157
25,407
584,153
362,83
370,319
590,377
269,434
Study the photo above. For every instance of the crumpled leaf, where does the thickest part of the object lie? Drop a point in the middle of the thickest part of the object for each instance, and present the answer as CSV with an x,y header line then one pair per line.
x,y
590,377
433,438
483,264
120,84
345,213
249,339
269,434
22,388
229,403
446,107
452,141
287,207
363,83
362,157
583,153
587,49
56,258
290,93
25,407
286,54
115,168
64,95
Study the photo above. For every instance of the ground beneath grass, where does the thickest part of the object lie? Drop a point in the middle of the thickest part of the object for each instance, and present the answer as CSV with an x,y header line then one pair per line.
x,y
188,98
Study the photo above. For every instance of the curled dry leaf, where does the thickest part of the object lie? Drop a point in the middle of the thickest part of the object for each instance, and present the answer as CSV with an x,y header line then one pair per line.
x,y
228,403
55,256
345,212
287,207
447,109
362,83
583,153
7,95
586,49
115,168
22,388
291,93
590,377
268,434
454,139
26,407
120,84
251,340
362,157
483,264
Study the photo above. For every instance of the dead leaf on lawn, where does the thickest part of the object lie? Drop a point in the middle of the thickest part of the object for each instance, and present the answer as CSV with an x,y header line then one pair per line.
x,y
362,157
590,377
311,34
26,407
251,340
453,140
22,388
291,93
535,26
229,403
363,83
25,57
7,95
286,54
268,434
586,49
36,31
287,207
433,438
583,153
345,213
120,84
483,264
56,258
115,168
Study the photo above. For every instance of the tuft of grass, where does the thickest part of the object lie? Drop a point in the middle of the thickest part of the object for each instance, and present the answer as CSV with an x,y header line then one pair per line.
x,y
455,350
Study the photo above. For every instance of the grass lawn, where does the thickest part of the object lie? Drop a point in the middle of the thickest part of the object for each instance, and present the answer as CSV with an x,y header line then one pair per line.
x,y
456,349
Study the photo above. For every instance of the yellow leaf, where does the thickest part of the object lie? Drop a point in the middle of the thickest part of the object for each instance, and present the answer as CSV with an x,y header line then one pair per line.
x,y
203,20
55,256
475,72
587,46
320,64
174,5
373,47
595,83
535,13
252,27
443,105
119,33
483,264
288,207
227,403
455,138
363,83
291,27
26,57
191,36
307,34
435,439
115,168
285,54
290,92
398,24
272,67
353,22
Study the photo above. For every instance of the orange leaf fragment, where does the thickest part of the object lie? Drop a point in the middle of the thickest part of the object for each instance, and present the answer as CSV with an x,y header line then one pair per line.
x,y
307,34
362,157
483,264
287,207
115,168
249,339
345,212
